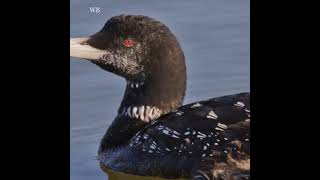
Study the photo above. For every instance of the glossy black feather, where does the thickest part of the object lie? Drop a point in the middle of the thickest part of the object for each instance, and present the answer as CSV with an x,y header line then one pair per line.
x,y
179,142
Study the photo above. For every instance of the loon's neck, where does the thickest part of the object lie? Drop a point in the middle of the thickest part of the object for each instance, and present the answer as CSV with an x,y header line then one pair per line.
x,y
142,103
158,92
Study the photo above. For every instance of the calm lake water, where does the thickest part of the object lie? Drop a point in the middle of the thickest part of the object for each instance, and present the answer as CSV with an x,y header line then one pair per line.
x,y
214,35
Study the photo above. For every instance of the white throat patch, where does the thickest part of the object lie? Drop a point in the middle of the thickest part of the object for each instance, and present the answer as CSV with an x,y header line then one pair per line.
x,y
144,113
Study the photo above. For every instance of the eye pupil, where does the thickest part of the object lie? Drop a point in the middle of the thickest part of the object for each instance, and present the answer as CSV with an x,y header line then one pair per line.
x,y
128,42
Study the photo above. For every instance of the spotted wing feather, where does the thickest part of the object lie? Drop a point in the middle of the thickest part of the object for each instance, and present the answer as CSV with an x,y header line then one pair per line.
x,y
216,130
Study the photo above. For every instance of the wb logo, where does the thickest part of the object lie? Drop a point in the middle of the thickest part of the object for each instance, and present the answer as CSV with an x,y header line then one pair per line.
x,y
95,10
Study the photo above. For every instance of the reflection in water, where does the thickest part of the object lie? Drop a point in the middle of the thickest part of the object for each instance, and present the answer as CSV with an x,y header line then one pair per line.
x,y
113,175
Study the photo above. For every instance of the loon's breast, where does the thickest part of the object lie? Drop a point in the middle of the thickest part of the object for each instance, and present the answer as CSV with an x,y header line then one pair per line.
x,y
213,133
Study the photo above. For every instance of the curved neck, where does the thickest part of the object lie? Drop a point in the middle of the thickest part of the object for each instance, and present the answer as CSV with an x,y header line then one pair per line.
x,y
164,84
165,94
162,91
142,103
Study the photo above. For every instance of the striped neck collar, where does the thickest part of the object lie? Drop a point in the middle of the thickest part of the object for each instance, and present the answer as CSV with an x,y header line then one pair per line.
x,y
144,113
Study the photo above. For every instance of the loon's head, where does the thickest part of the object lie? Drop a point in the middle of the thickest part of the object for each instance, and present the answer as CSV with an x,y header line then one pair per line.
x,y
144,52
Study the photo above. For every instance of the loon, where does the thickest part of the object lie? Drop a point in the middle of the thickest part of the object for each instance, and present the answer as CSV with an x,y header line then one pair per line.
x,y
153,134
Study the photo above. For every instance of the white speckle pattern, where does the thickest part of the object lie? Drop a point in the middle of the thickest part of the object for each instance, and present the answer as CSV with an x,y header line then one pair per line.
x,y
239,104
145,136
160,127
134,112
179,113
212,115
175,110
153,142
129,111
222,126
196,105
218,129
206,142
141,113
148,113
174,136
165,131
135,85
152,146
201,135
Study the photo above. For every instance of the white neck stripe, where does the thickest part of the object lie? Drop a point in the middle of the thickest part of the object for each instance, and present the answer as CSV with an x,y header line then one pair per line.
x,y
144,113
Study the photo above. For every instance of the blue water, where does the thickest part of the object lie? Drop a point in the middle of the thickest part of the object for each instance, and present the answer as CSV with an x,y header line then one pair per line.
x,y
214,35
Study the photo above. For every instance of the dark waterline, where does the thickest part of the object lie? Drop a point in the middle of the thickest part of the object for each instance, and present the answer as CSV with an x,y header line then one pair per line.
x,y
214,35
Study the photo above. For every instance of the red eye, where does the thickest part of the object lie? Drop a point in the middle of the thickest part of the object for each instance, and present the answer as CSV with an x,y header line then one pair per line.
x,y
128,42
